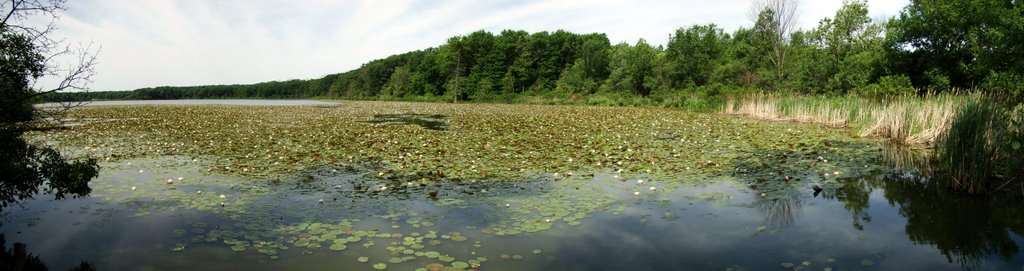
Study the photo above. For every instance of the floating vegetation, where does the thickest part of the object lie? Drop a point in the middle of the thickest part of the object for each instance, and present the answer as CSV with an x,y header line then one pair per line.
x,y
323,181
427,121
492,141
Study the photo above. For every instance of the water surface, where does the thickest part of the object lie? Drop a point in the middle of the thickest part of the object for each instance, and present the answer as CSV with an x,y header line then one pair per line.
x,y
888,221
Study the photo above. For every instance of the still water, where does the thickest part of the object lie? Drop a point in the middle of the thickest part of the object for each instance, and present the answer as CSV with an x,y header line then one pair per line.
x,y
343,219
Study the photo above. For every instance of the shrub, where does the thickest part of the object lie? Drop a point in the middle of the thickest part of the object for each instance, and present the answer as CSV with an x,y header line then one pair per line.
x,y
1005,83
888,86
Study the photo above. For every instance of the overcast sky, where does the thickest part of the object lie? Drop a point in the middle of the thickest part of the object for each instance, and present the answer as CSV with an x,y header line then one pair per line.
x,y
161,42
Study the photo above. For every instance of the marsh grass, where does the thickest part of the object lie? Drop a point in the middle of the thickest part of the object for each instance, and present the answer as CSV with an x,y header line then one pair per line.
x,y
976,139
906,120
976,153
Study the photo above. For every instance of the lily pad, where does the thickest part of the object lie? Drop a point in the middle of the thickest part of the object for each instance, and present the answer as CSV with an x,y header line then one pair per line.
x,y
338,247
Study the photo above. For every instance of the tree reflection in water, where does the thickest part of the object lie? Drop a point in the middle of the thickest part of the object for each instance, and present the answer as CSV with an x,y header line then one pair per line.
x,y
781,211
966,229
27,169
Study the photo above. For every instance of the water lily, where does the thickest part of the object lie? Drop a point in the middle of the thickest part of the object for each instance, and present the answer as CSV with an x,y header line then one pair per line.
x,y
222,196
653,188
170,181
639,182
636,193
133,188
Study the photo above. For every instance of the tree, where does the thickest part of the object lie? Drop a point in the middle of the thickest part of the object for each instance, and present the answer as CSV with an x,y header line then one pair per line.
x,y
632,68
400,83
693,53
964,41
29,54
850,49
773,21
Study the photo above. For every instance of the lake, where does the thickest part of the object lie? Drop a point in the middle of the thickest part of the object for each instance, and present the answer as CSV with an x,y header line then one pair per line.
x,y
407,186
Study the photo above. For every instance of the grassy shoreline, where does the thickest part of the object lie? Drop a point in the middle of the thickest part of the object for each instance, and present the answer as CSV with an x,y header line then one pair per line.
x,y
906,120
974,140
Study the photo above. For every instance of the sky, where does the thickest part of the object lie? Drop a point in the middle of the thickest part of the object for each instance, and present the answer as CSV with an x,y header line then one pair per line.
x,y
147,43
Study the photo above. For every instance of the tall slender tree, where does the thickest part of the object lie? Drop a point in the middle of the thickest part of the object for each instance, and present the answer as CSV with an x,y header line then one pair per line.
x,y
775,20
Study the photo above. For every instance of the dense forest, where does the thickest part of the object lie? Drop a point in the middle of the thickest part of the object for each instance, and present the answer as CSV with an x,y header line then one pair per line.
x,y
931,46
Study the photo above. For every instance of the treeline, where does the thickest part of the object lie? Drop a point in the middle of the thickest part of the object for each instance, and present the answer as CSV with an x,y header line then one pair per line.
x,y
932,46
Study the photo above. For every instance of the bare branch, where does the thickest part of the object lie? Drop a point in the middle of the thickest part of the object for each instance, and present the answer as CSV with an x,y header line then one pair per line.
x,y
784,14
22,9
74,77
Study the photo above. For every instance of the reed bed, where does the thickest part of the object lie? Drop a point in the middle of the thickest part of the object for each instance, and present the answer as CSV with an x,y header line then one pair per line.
x,y
909,120
976,139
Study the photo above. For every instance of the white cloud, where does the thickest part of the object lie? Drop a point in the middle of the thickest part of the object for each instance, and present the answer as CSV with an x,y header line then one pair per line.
x,y
157,42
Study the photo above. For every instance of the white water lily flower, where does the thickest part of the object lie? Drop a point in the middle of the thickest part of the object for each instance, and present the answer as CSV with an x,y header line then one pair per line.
x,y
133,188
222,196
653,188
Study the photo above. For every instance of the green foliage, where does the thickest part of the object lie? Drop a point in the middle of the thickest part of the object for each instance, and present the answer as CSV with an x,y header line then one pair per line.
x,y
889,86
20,62
935,81
693,54
632,69
574,80
848,50
937,44
1007,83
975,148
27,168
965,40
